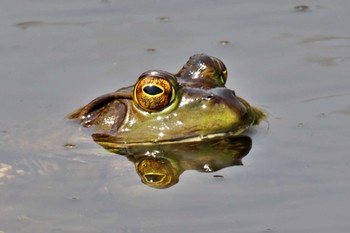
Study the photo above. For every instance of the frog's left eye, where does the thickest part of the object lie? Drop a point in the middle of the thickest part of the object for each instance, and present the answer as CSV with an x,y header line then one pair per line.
x,y
154,90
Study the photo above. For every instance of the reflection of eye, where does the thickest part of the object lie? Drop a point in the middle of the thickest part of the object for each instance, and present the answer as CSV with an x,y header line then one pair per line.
x,y
154,91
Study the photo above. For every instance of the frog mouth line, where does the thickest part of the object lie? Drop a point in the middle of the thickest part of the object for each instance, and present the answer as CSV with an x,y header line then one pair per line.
x,y
109,141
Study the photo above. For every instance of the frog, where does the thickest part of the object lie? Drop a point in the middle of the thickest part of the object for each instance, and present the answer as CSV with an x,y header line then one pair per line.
x,y
191,105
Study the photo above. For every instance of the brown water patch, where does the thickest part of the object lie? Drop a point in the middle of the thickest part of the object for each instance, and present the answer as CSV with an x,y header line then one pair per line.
x,y
33,24
324,97
328,41
151,50
327,61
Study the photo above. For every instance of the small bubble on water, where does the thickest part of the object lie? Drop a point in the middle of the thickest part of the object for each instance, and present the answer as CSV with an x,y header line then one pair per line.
x,y
69,145
224,42
164,19
301,8
151,50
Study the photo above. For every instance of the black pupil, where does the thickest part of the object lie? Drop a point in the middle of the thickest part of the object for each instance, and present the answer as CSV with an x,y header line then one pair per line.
x,y
154,178
152,90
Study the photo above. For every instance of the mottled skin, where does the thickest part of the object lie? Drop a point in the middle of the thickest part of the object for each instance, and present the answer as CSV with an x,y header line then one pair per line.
x,y
170,108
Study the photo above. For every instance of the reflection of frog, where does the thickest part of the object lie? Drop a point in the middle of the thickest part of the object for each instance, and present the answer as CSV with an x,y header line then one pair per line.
x,y
161,107
160,165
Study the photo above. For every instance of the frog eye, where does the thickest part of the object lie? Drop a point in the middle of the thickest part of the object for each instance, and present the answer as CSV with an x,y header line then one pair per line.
x,y
222,69
154,90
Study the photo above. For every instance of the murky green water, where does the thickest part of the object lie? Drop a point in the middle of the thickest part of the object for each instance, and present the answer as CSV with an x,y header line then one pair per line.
x,y
294,63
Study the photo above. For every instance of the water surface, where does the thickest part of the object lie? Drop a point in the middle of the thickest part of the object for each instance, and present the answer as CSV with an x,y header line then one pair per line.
x,y
58,55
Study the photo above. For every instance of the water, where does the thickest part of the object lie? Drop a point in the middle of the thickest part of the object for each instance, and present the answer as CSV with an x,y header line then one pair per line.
x,y
58,55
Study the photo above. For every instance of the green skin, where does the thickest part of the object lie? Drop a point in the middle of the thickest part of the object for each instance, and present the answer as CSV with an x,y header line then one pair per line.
x,y
202,107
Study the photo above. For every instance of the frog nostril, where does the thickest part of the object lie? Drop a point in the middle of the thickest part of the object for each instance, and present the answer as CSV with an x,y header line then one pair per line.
x,y
208,97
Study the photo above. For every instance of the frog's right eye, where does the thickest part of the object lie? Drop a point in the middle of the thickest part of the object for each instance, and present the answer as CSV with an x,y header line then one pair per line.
x,y
154,90
221,68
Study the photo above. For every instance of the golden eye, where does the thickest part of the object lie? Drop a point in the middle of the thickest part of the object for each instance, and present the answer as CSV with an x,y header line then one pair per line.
x,y
154,90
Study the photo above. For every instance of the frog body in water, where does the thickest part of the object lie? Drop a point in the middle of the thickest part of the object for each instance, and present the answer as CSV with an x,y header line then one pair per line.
x,y
162,107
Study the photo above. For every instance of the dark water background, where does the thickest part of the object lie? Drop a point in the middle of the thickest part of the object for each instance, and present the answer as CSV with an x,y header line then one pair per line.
x,y
57,55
